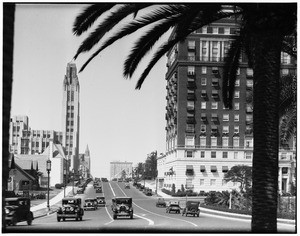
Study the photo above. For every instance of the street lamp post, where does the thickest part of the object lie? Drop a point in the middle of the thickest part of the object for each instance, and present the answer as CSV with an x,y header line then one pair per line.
x,y
48,168
73,173
65,176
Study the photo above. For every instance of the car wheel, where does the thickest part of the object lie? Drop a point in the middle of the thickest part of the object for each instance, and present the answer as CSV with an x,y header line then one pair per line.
x,y
80,218
14,220
131,216
115,217
64,219
198,214
58,219
29,218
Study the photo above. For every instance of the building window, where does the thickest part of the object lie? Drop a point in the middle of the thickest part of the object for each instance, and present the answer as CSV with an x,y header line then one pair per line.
x,y
284,71
203,69
236,129
203,105
285,58
191,70
203,141
190,105
191,56
236,141
249,118
214,105
225,129
225,117
213,154
236,117
189,154
203,81
238,71
235,155
212,182
191,44
203,128
249,83
201,182
215,51
227,30
249,72
202,154
285,170
215,30
236,106
249,143
225,154
237,83
204,51
190,141
225,141
248,155
236,94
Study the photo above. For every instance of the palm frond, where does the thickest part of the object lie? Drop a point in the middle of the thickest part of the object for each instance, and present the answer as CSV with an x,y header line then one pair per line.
x,y
230,69
288,126
85,20
108,23
159,14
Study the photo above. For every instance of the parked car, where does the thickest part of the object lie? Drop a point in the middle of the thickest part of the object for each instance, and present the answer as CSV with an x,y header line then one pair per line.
x,y
173,207
141,187
122,206
80,190
161,202
148,192
127,185
192,208
71,208
100,201
138,185
90,204
99,189
17,209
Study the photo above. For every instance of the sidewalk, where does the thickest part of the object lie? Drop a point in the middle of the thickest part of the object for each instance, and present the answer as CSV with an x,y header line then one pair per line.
x,y
54,203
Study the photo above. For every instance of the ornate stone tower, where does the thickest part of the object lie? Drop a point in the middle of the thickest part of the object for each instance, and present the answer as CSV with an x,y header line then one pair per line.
x,y
70,117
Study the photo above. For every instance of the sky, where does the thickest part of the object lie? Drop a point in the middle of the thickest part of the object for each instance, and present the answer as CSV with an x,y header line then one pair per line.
x,y
117,122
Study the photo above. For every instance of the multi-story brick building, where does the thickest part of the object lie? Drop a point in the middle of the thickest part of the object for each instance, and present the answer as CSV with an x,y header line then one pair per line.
x,y
203,139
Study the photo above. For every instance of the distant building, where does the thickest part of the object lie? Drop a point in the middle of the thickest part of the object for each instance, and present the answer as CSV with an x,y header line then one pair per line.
x,y
117,167
24,140
70,116
85,164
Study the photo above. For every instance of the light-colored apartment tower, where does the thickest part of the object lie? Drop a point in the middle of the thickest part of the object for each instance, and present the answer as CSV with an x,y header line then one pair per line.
x,y
70,116
117,167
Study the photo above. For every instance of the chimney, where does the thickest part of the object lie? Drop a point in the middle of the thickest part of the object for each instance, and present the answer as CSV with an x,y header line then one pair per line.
x,y
50,148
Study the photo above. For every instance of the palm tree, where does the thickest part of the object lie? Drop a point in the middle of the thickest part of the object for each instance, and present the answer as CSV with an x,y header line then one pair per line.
x,y
263,29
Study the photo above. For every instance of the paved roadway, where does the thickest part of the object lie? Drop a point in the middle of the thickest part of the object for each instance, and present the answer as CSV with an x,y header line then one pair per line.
x,y
147,218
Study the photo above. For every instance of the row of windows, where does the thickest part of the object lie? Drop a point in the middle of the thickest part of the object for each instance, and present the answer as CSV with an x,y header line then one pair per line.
x,y
213,154
190,141
214,128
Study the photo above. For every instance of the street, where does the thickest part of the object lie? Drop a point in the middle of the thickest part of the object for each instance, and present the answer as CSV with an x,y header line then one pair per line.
x,y
147,217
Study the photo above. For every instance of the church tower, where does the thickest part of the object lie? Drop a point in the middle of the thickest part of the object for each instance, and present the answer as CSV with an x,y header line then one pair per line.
x,y
70,117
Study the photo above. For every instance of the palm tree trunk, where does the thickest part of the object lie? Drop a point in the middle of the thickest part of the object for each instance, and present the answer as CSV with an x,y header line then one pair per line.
x,y
266,66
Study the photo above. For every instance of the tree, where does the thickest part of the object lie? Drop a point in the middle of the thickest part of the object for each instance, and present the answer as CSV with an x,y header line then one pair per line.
x,y
264,28
151,165
241,174
123,174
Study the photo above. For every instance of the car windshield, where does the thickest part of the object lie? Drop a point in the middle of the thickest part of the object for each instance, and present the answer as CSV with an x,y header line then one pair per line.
x,y
124,201
100,198
192,204
89,200
69,202
11,203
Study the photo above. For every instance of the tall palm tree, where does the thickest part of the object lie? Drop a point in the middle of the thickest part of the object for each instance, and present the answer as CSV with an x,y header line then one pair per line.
x,y
263,28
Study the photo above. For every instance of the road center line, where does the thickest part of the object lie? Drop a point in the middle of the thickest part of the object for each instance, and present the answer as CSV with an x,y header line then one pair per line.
x,y
156,213
112,189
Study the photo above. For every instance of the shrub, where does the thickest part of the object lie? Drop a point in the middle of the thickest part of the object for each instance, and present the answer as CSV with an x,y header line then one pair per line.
x,y
59,186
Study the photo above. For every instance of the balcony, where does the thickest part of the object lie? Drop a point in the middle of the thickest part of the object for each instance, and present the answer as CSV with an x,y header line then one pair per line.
x,y
203,117
203,94
215,82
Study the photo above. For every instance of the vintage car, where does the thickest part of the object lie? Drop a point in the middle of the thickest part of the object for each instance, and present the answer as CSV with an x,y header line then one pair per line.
x,y
80,190
100,201
90,204
127,185
191,208
122,206
99,189
17,209
71,208
141,187
148,191
161,202
173,207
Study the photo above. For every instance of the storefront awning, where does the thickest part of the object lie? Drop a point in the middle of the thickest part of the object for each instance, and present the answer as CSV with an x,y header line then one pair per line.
x,y
213,168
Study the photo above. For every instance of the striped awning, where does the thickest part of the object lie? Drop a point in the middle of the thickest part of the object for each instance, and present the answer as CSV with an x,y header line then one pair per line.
x,y
224,168
202,168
